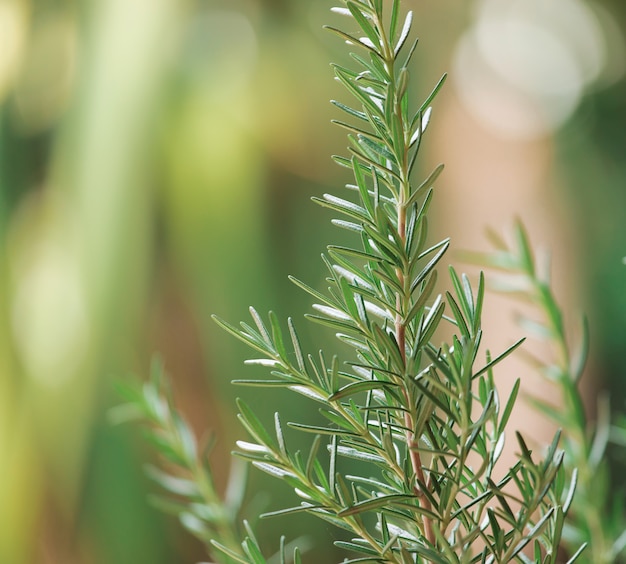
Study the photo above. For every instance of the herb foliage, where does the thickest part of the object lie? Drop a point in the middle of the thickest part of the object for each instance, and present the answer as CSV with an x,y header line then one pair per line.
x,y
422,416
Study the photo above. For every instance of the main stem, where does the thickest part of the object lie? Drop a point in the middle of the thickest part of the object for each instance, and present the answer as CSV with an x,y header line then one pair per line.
x,y
411,441
402,299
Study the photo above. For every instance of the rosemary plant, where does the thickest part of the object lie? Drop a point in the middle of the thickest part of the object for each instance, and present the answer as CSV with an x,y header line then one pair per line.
x,y
423,417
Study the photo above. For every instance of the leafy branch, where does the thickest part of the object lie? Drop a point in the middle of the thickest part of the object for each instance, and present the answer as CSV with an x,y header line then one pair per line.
x,y
406,405
421,414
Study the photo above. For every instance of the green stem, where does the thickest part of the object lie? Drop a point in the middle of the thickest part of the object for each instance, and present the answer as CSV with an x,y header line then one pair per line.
x,y
403,300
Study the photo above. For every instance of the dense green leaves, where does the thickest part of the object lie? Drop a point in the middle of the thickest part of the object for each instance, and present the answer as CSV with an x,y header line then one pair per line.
x,y
421,415
413,411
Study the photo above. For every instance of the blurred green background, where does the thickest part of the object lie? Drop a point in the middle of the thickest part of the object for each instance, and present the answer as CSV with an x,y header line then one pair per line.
x,y
156,163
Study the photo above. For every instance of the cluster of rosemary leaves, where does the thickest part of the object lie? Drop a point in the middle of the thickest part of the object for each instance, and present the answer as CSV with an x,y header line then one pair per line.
x,y
423,417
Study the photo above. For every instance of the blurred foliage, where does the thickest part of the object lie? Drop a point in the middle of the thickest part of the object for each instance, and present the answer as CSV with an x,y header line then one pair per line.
x,y
132,133
591,159
597,518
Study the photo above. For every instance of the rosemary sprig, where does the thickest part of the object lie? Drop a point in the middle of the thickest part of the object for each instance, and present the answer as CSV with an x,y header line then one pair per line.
x,y
422,416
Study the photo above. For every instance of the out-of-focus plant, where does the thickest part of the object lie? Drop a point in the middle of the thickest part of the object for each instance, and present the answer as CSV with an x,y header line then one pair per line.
x,y
422,416
597,516
193,496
